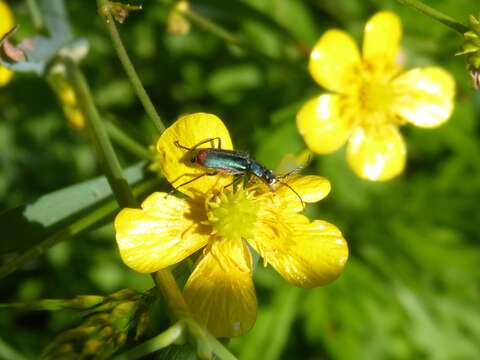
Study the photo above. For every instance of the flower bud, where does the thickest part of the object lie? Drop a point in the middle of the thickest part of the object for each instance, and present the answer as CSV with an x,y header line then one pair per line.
x,y
177,24
142,324
117,10
471,49
106,327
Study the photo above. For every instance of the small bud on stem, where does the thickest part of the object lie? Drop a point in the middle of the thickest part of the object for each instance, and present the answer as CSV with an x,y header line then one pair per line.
x,y
118,10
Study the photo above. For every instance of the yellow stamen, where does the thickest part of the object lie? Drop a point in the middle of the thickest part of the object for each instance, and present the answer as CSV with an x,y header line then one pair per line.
x,y
370,100
232,214
375,96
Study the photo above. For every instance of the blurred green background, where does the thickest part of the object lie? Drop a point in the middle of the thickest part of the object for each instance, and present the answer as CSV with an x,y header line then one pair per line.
x,y
411,287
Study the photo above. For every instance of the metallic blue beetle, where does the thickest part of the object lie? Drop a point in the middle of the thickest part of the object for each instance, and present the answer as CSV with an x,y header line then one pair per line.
x,y
230,162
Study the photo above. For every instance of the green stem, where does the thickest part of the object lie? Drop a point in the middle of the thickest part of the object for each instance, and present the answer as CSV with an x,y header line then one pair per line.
x,y
205,342
98,132
37,18
209,26
435,14
129,68
127,142
167,285
219,349
9,353
166,338
51,304
92,218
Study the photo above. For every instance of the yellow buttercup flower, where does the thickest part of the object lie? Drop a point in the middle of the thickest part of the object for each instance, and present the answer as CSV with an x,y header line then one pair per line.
x,y
6,24
370,97
221,221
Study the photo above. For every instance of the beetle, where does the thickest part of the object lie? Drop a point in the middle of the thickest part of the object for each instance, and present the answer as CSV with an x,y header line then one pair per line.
x,y
231,162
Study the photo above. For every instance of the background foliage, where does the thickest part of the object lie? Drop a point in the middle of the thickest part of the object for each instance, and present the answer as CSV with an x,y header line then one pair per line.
x,y
411,287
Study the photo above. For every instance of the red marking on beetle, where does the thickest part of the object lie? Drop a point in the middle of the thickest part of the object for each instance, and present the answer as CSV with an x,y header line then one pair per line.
x,y
201,156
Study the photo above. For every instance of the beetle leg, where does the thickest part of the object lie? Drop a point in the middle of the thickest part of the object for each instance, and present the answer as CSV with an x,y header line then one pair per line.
x,y
236,178
246,180
191,180
219,145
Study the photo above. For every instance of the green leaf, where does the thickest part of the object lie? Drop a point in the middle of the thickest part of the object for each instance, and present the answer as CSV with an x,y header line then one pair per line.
x,y
182,352
29,224
229,83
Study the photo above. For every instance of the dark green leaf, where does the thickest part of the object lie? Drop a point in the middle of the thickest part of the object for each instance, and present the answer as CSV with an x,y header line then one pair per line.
x,y
31,223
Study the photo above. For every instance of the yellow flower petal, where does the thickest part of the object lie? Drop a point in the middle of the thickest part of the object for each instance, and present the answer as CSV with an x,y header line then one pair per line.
x,y
163,233
6,24
321,123
424,97
220,290
310,188
6,16
189,130
5,75
307,254
333,60
382,36
377,153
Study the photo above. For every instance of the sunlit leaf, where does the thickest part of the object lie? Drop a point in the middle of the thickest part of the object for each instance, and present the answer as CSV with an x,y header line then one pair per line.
x,y
28,224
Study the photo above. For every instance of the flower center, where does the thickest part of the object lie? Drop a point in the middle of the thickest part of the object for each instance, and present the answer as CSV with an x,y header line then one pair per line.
x,y
371,96
375,96
232,214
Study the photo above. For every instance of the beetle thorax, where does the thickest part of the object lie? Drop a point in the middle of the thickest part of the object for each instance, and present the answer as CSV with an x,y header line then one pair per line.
x,y
200,157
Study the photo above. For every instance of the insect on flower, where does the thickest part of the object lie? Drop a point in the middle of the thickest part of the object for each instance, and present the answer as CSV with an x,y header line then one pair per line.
x,y
224,228
231,162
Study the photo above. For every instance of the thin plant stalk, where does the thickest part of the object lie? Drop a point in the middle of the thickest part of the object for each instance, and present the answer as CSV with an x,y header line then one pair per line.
x,y
99,135
36,15
435,14
165,281
127,142
209,26
129,68
205,342
166,338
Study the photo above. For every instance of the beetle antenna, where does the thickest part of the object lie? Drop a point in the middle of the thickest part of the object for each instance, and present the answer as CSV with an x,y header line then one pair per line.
x,y
297,169
293,190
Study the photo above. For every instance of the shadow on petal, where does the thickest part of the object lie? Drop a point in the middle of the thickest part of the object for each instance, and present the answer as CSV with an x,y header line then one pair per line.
x,y
220,291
